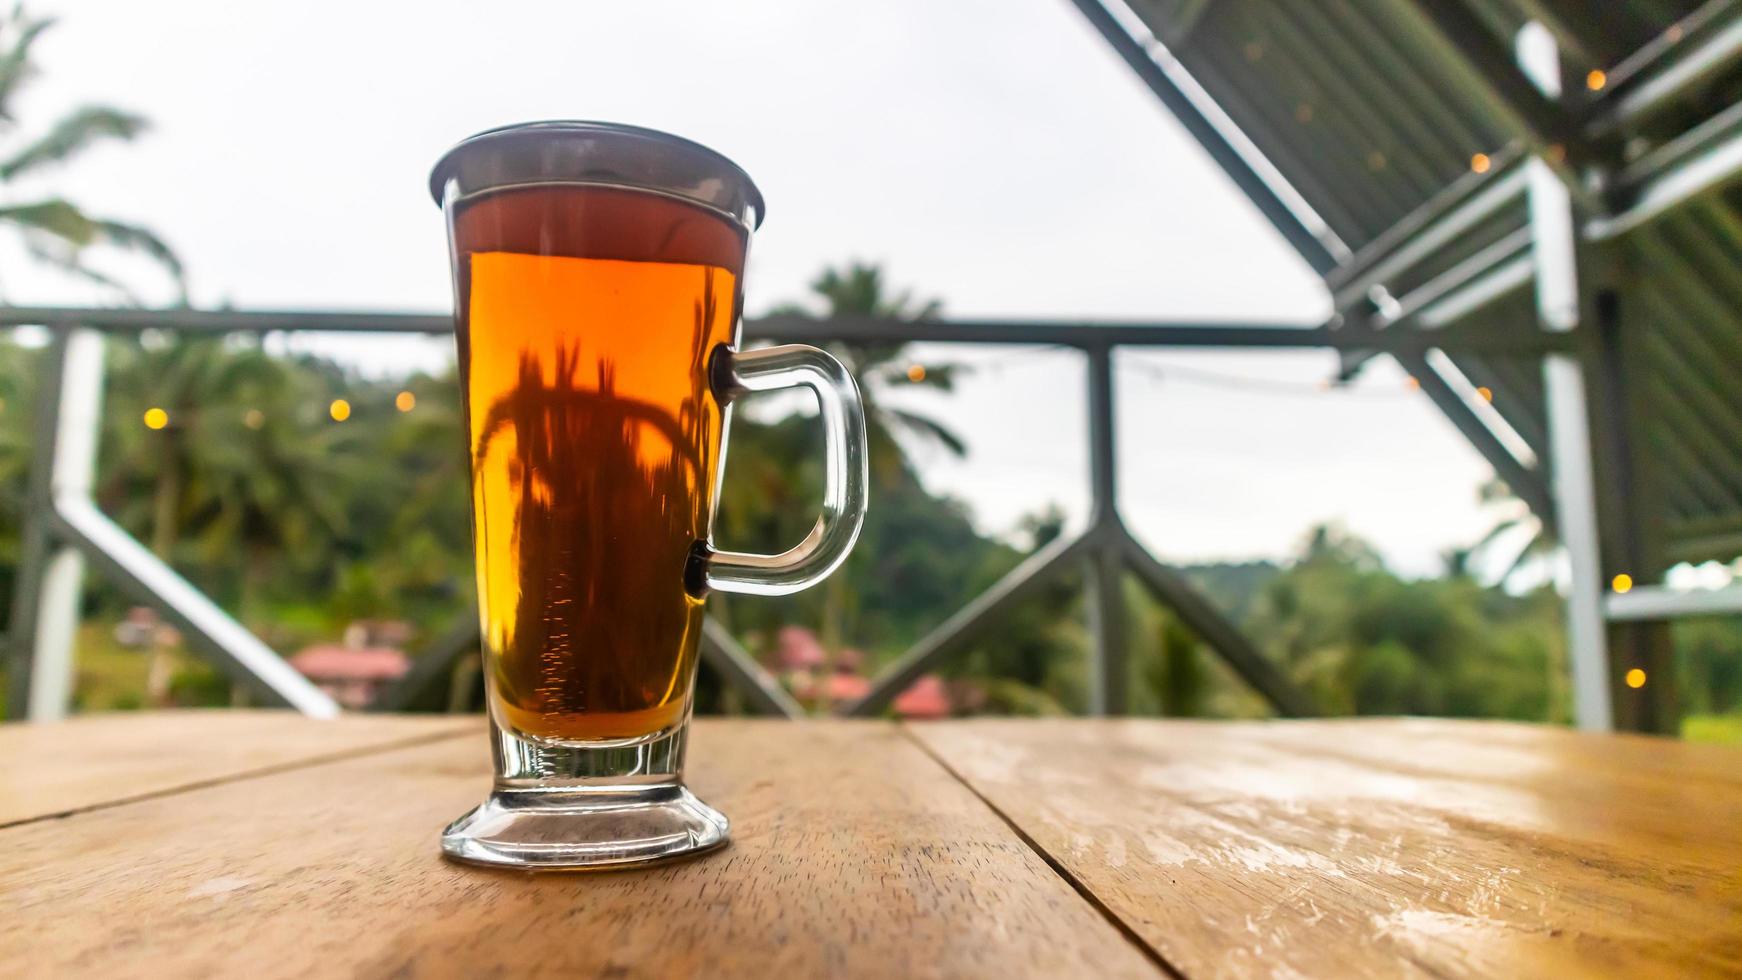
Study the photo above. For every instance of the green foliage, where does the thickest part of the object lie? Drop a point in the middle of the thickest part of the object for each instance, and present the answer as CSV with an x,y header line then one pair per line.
x,y
302,523
859,289
1708,663
1717,729
297,522
1364,641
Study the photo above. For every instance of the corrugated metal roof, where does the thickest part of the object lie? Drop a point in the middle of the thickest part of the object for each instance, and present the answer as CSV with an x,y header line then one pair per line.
x,y
1376,118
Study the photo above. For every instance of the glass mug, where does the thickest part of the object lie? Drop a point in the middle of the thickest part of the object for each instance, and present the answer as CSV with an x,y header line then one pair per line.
x,y
598,286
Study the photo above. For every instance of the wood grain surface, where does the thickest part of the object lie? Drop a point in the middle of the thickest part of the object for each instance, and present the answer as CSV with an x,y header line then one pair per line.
x,y
854,854
1381,848
52,769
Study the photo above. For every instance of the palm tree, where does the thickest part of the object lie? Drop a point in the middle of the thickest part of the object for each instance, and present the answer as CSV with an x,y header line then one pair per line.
x,y
221,472
860,289
1538,543
54,229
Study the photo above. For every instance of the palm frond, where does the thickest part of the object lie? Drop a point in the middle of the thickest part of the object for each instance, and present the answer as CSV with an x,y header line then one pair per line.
x,y
928,428
139,239
1495,533
69,260
1533,548
15,62
82,128
55,217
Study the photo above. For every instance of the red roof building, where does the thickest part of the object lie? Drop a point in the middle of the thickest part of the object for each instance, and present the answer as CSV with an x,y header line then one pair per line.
x,y
352,676
796,648
925,698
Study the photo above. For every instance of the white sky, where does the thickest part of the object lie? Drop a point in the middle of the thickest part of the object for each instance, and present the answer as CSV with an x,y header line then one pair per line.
x,y
994,154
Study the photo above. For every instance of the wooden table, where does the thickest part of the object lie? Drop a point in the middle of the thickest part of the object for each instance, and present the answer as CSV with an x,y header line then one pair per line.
x,y
257,844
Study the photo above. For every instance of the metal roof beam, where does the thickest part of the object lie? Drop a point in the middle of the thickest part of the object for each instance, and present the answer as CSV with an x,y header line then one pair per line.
x,y
1453,281
1650,602
1311,248
1488,58
1374,261
1679,68
1714,161
1420,244
1527,484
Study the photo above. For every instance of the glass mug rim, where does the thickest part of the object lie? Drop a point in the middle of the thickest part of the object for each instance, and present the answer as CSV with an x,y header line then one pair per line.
x,y
601,154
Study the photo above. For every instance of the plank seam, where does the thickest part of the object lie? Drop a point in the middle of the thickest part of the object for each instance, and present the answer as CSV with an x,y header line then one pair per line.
x,y
326,758
1077,885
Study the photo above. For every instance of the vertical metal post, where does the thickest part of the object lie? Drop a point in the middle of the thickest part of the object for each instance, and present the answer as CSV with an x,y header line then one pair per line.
x,y
45,610
1104,566
1628,509
1555,247
1103,580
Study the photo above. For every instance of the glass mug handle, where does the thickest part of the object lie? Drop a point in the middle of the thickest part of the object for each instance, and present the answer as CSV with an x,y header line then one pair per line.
x,y
735,373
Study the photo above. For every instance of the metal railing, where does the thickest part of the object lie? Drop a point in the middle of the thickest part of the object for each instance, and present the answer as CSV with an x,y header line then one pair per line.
x,y
64,529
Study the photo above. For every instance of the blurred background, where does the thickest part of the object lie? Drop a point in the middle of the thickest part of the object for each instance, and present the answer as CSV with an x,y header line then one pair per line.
x,y
1390,527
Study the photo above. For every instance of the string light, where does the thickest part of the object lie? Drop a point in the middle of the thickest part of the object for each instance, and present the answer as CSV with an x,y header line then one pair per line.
x,y
1596,80
254,418
1254,50
1303,113
1480,163
340,410
1674,34
156,418
1412,383
1376,160
405,401
1636,678
916,373
1486,393
1623,583
1263,386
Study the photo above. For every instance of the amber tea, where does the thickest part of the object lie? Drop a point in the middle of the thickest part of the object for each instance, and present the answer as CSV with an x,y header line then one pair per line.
x,y
587,315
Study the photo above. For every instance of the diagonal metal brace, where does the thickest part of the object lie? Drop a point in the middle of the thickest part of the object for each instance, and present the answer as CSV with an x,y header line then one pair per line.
x,y
723,653
1173,591
960,630
1526,483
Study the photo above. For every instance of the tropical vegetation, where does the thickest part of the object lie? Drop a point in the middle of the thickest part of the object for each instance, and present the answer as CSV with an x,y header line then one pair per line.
x,y
303,495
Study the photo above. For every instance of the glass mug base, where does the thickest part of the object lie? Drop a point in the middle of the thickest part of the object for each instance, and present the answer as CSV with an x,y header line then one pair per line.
x,y
572,808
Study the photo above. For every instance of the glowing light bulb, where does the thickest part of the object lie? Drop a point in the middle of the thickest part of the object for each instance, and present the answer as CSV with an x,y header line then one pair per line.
x,y
340,410
156,418
405,401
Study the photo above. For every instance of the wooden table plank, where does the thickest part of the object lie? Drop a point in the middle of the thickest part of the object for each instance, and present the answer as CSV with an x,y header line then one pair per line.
x,y
854,854
1380,848
92,760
